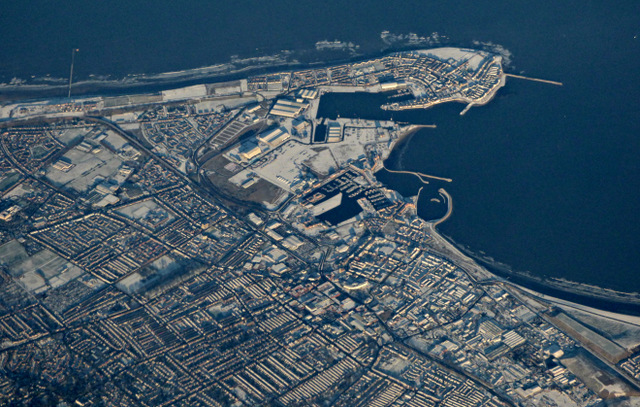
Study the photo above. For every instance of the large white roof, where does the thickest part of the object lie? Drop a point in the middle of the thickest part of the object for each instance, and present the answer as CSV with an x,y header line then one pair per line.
x,y
473,57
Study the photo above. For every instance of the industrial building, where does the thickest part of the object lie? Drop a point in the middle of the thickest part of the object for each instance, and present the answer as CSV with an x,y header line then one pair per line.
x,y
334,132
251,154
273,138
288,108
308,93
63,165
388,86
8,213
300,125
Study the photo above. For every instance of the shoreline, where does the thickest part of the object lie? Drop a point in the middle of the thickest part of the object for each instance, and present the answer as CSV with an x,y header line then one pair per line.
x,y
157,82
570,291
210,74
573,291
545,291
567,293
572,307
446,216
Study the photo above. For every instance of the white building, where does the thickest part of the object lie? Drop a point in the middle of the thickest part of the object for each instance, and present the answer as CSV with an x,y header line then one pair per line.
x,y
308,93
334,133
251,154
274,138
288,108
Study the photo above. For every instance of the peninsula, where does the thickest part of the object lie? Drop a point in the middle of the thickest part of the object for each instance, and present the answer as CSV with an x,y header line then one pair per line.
x,y
221,244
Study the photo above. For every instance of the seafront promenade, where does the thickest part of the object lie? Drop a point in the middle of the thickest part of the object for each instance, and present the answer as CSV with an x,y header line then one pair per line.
x,y
449,249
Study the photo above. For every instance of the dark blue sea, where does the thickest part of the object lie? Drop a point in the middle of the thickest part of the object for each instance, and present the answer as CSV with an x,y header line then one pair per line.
x,y
546,179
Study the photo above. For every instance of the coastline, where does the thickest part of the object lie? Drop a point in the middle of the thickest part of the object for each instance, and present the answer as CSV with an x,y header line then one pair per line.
x,y
221,72
571,291
571,306
442,246
564,292
569,294
150,83
484,273
126,86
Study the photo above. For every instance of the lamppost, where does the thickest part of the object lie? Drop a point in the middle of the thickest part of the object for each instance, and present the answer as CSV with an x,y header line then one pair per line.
x,y
73,55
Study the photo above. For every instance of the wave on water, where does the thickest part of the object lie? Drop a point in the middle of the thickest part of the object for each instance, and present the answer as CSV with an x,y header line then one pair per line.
x,y
573,291
412,39
337,45
496,49
322,50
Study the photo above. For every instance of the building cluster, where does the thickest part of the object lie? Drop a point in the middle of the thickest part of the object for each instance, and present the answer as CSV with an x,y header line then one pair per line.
x,y
439,81
177,131
251,149
31,148
431,77
288,108
632,366
61,108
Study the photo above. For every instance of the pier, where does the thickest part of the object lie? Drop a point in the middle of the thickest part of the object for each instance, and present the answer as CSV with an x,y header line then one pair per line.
x,y
534,79
412,128
418,196
419,175
466,109
449,207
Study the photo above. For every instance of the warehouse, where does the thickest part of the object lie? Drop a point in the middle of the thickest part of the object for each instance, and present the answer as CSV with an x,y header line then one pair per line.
x,y
388,86
334,133
308,93
273,138
288,108
251,154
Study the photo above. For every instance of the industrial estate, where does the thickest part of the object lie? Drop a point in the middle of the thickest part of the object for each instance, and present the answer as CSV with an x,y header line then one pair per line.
x,y
222,245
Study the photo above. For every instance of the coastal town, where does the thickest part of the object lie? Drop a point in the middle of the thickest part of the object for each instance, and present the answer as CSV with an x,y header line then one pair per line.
x,y
224,245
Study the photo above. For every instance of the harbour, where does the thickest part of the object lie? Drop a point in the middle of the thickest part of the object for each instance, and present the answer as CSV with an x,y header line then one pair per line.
x,y
574,131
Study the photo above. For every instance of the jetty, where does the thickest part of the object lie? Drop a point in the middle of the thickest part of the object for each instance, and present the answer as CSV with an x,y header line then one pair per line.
x,y
534,79
418,174
449,207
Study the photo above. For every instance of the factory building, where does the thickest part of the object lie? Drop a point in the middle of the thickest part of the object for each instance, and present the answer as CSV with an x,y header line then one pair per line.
x,y
63,165
334,132
274,138
388,86
288,108
300,125
308,93
251,154
8,214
